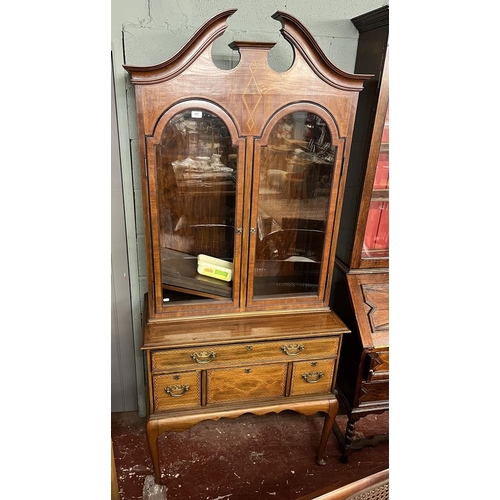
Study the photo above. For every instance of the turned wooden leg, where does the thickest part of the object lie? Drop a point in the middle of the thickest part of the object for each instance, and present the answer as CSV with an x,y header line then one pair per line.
x,y
348,438
327,429
152,434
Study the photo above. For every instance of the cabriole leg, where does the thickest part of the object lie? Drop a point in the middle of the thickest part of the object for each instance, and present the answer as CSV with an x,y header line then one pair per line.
x,y
152,434
327,429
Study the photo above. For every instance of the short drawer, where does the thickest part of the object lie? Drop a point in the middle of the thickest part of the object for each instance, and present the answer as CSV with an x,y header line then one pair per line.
x,y
177,390
311,377
245,383
374,392
378,366
244,352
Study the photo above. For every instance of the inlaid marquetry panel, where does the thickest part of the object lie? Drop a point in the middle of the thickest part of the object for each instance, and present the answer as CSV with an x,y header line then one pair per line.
x,y
246,383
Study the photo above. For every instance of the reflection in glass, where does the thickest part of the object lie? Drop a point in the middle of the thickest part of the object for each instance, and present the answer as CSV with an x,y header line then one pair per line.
x,y
196,177
376,238
295,179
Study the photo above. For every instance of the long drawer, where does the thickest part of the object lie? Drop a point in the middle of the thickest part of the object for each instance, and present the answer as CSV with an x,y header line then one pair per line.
x,y
286,350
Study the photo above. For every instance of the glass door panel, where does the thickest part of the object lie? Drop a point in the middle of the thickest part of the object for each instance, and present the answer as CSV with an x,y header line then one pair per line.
x,y
376,238
196,196
295,179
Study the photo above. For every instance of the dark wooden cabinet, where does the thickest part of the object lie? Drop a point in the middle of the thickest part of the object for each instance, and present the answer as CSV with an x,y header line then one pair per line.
x,y
360,293
243,174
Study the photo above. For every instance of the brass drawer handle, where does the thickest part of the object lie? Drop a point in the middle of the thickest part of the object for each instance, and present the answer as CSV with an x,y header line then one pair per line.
x,y
292,349
176,390
203,357
312,377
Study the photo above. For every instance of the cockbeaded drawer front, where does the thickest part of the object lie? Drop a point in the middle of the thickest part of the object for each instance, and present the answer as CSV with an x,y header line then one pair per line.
x,y
312,377
177,390
244,383
285,350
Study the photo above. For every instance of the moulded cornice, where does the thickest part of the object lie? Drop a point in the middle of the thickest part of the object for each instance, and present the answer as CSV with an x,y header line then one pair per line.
x,y
292,30
372,20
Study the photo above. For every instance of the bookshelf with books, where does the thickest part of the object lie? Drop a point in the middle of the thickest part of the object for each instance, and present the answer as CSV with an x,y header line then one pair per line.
x,y
360,291
376,236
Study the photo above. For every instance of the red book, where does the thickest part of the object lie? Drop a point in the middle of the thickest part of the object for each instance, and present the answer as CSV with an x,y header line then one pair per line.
x,y
372,224
382,237
385,133
381,180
